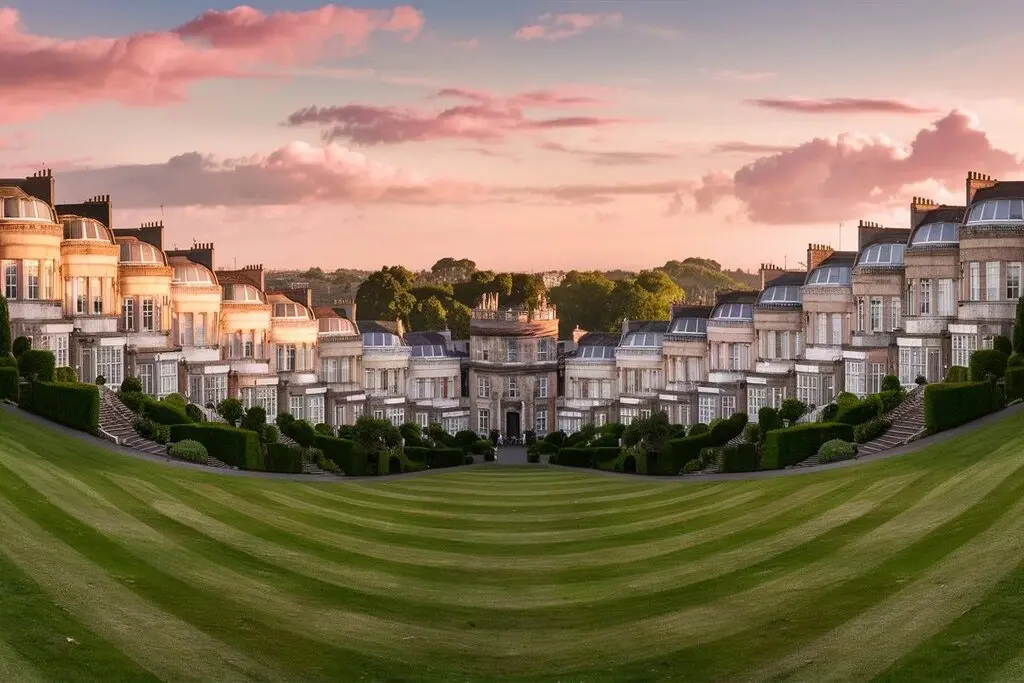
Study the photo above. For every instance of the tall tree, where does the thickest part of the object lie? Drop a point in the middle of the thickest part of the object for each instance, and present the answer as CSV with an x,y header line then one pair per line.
x,y
452,270
1018,328
582,299
383,297
458,319
5,329
525,289
428,315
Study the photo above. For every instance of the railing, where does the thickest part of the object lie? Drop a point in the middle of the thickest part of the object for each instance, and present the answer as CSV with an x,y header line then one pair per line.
x,y
515,316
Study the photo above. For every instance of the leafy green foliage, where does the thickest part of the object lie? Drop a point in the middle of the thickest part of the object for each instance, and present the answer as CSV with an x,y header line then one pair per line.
x,y
871,430
1018,328
37,364
985,362
5,328
237,447
958,373
349,456
9,381
65,374
739,458
792,410
20,346
1001,343
189,450
950,405
232,410
281,458
891,383
73,405
785,447
131,384
255,418
857,412
835,450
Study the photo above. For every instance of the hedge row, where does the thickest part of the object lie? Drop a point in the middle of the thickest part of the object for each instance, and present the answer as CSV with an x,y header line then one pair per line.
x,y
282,458
73,405
785,447
739,458
859,412
1014,379
951,405
588,456
237,447
434,458
348,455
9,381
675,453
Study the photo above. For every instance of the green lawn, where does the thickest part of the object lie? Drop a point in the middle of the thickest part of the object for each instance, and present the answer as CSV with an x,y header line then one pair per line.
x,y
117,569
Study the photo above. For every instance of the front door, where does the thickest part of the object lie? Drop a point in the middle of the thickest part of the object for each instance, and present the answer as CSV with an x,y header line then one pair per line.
x,y
512,425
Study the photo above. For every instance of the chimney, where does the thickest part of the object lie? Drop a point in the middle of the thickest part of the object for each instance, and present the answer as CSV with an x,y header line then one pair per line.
x,y
869,231
769,271
578,334
977,181
816,253
919,206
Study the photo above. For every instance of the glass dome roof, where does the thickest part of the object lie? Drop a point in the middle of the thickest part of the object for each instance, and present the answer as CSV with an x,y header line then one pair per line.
x,y
881,255
381,339
780,295
136,252
188,273
291,310
242,294
694,326
829,275
78,228
936,233
430,351
737,312
643,340
596,353
27,209
337,326
997,211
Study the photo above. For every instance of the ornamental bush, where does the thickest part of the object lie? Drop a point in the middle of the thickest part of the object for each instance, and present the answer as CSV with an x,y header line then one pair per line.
x,y
190,450
985,362
281,458
232,410
348,455
20,346
1001,343
254,419
1014,381
891,383
951,405
870,430
5,329
739,458
130,384
785,447
698,429
752,433
65,375
237,447
9,382
1015,360
857,412
195,413
73,405
533,457
270,434
162,411
37,365
835,450
767,419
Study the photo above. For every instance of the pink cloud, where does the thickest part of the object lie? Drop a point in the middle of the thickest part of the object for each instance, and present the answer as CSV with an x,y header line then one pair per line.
x,y
742,76
483,117
146,69
297,173
840,105
558,26
610,158
740,147
838,179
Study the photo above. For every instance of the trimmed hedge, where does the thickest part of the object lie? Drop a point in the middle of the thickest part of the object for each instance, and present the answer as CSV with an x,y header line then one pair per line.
x,y
588,456
163,412
37,364
739,458
785,447
676,453
73,405
435,458
987,362
9,381
951,405
237,447
348,455
957,373
281,458
1014,380
871,430
189,450
859,411
836,450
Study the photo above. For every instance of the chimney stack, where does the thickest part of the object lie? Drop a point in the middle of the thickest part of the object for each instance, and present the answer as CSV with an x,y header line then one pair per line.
x,y
816,253
977,181
769,271
919,207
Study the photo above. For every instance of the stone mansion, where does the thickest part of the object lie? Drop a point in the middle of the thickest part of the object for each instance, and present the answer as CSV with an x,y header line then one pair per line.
x,y
113,302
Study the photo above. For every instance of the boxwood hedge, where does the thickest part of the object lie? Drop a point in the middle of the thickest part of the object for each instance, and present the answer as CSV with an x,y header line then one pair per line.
x,y
237,447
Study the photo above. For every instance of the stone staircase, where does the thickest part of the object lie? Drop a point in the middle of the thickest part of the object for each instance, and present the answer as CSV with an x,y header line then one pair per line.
x,y
907,421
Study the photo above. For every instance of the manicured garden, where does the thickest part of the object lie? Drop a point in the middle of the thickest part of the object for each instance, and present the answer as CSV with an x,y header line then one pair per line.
x,y
117,568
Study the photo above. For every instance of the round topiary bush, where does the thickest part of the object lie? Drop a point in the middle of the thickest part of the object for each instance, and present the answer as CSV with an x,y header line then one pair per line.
x,y
836,449
752,433
21,345
891,383
65,375
533,457
270,434
194,412
190,450
130,384
698,429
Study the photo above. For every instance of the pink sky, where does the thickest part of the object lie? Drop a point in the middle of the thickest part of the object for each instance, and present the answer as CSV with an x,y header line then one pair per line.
x,y
540,136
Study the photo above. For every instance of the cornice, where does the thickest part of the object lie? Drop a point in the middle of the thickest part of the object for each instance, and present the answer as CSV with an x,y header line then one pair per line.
x,y
37,228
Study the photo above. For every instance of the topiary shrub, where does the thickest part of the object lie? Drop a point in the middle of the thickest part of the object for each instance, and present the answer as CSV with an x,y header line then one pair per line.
x,y
37,365
844,397
190,450
10,380
323,428
175,399
1015,360
65,375
100,380
1001,343
870,430
739,458
162,434
859,411
161,411
349,456
237,447
698,429
130,384
465,438
828,413
767,419
692,466
891,383
254,419
283,420
133,401
144,427
5,329
195,413
529,436
987,362
951,405
792,410
20,346
1014,382
232,410
785,447
533,457
303,433
480,447
270,434
281,458
9,361
73,405
835,450
752,433
558,438
891,399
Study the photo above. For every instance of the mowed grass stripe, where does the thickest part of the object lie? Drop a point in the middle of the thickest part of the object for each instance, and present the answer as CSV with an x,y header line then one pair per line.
x,y
875,639
13,667
142,631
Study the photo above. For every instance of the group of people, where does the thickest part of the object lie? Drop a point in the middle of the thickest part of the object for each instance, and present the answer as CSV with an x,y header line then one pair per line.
x,y
510,441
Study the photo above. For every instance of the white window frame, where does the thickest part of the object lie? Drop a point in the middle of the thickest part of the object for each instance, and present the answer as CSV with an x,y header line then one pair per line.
x,y
808,386
542,387
926,296
707,408
728,406
147,378
992,280
757,398
875,314
855,377
896,313
974,279
168,378
541,421
483,386
483,421
1013,276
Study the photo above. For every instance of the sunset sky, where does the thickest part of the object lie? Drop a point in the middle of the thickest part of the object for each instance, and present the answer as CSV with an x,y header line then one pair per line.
x,y
524,135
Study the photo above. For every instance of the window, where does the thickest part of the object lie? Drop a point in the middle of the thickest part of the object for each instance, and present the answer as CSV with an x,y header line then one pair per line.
x,y
859,323
96,295
821,337
296,406
1013,280
378,415
897,313
316,409
626,417
776,395
266,398
513,387
542,387
541,422
286,359
169,379
483,386
110,364
645,413
511,350
974,276
128,314
200,330
855,377
876,377
946,305
184,327
483,421
542,353
216,388
798,345
828,388
875,308
11,280
396,416
48,280
330,369
706,408
992,280
32,278
734,356
963,346
837,329
146,377
926,296
728,406
807,388
248,350
423,420
912,297
81,295
912,364
368,376
59,346
757,398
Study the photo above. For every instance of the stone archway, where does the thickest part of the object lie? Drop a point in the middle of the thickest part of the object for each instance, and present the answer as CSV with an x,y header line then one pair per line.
x,y
629,464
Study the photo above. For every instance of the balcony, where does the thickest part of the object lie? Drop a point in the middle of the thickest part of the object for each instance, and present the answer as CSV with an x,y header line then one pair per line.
x,y
392,392
681,387
873,340
514,316
987,310
774,366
